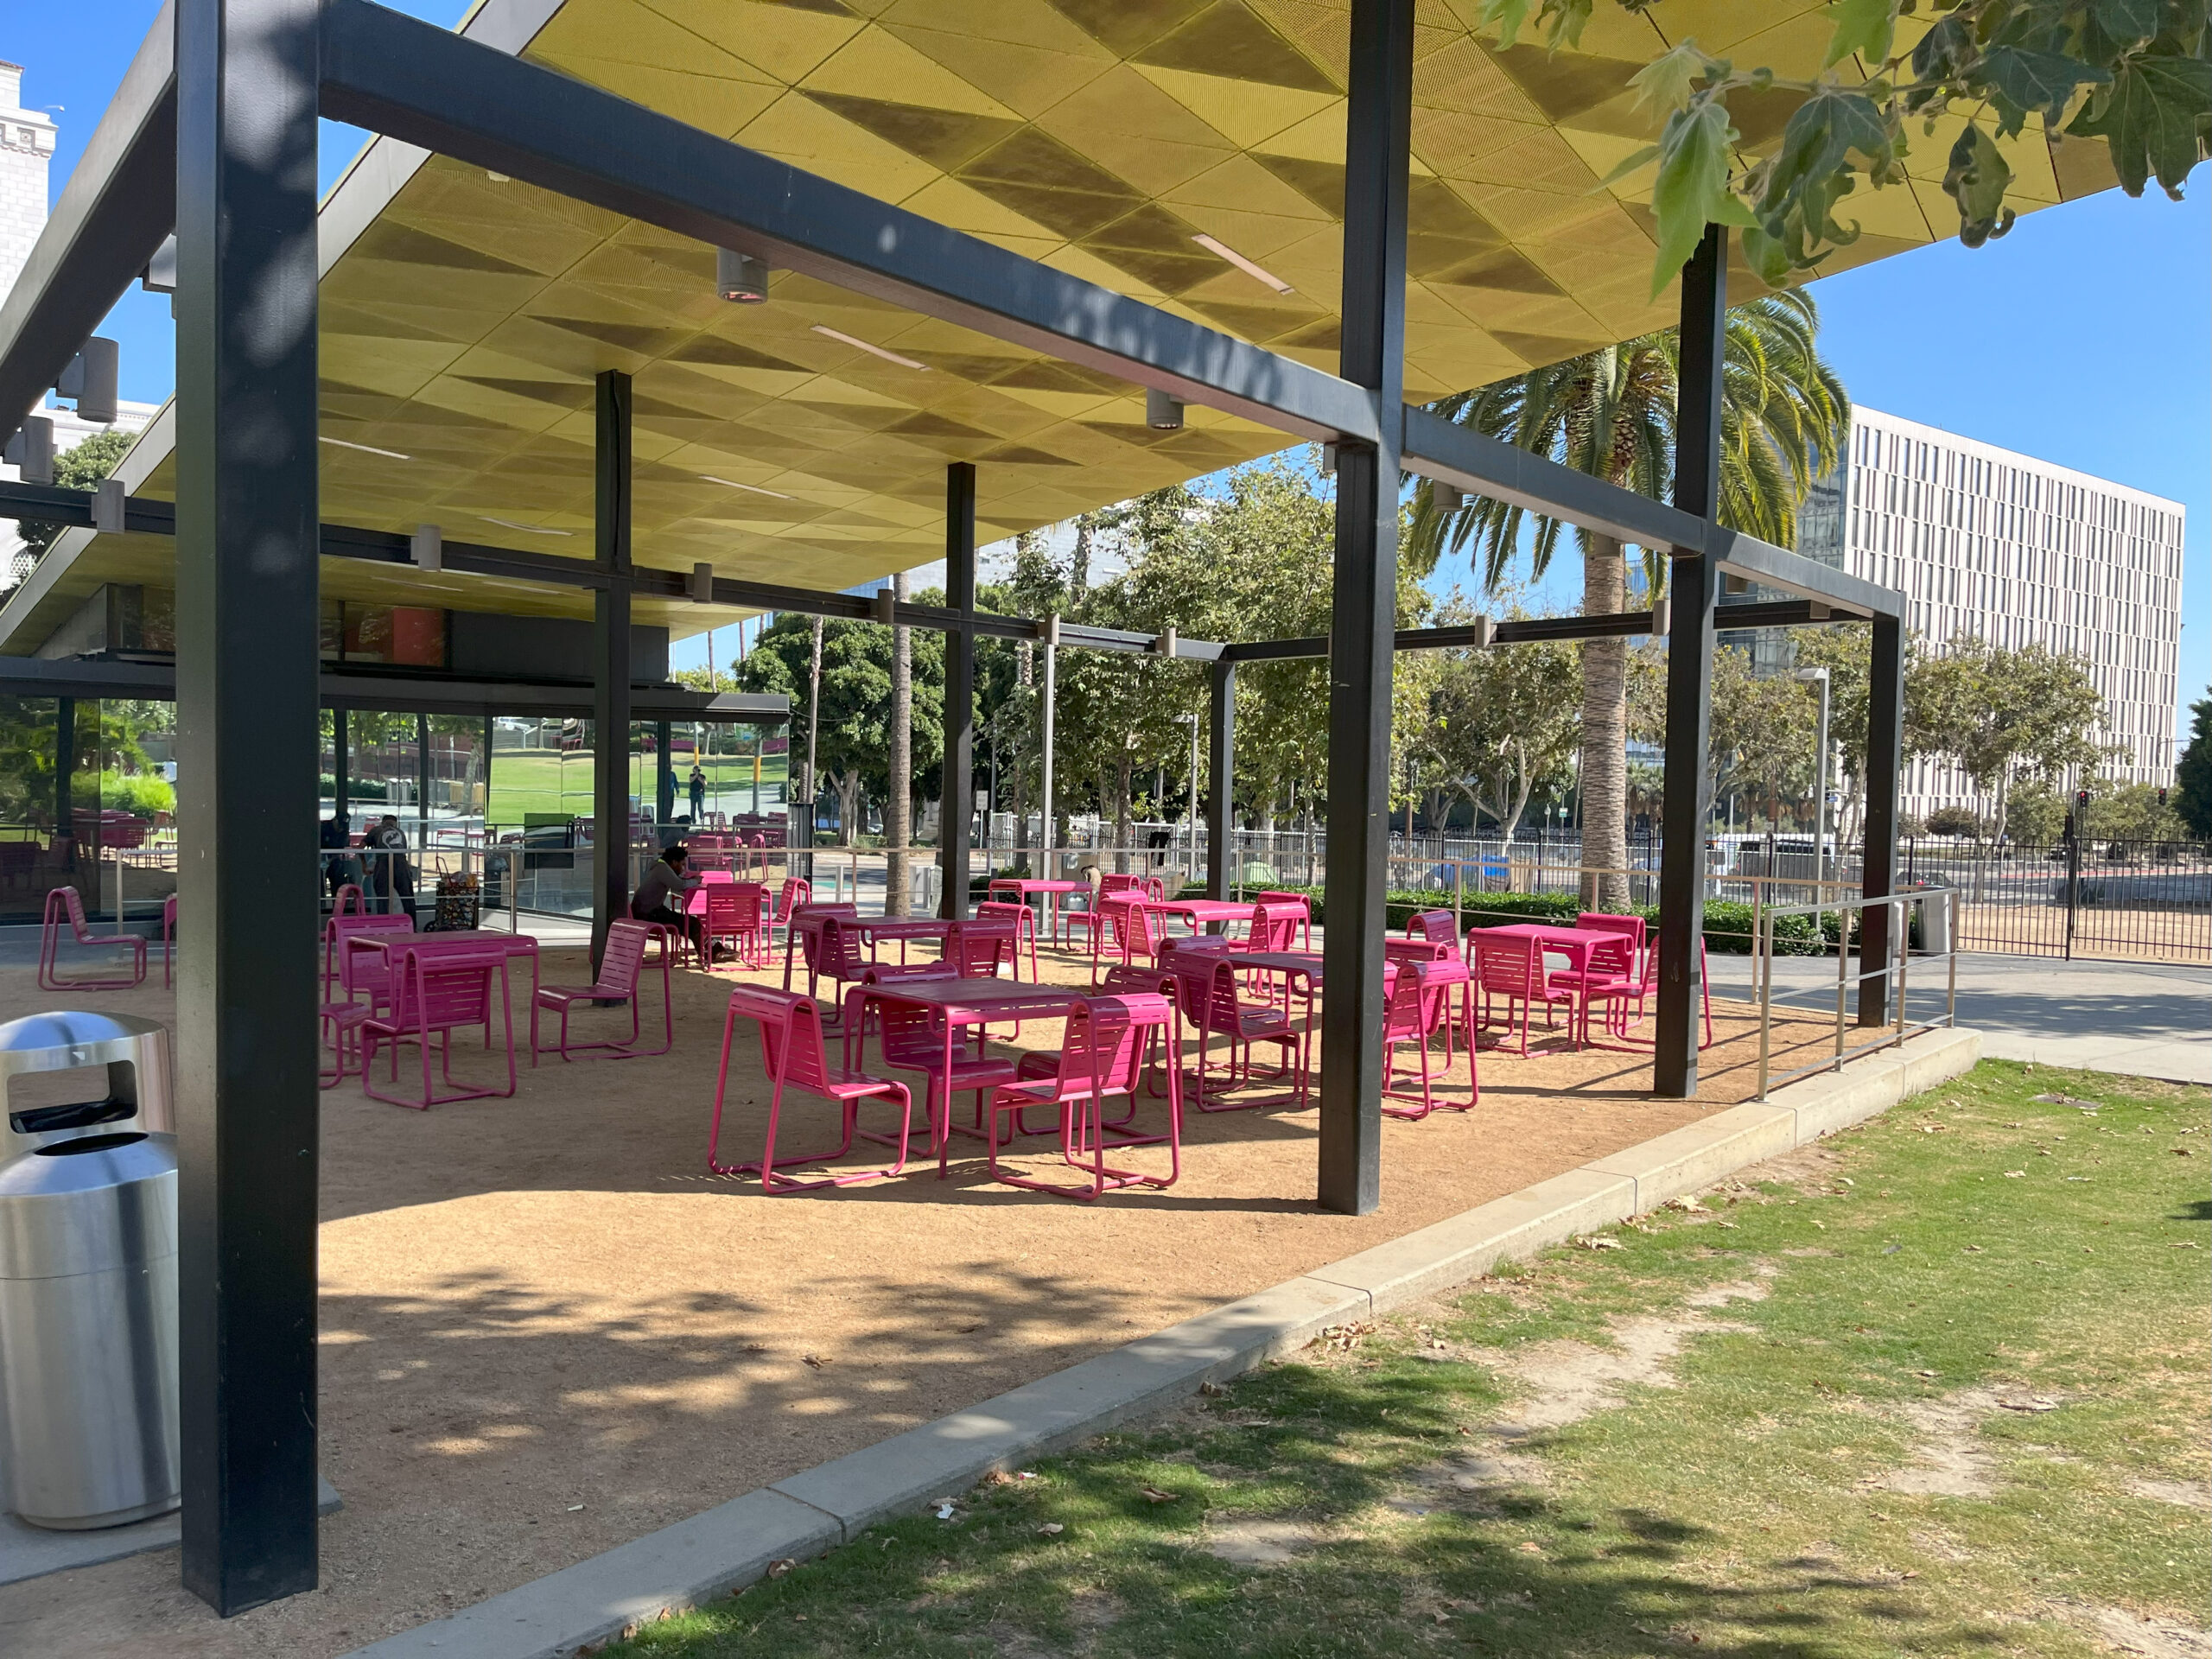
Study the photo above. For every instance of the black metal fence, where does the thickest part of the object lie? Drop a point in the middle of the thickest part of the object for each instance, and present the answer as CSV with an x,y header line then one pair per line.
x,y
2124,899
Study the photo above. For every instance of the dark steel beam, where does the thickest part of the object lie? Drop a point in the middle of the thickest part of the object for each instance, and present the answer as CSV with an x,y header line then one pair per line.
x,y
610,660
1695,584
1364,610
1220,774
956,795
1773,566
246,616
118,205
428,86
1884,762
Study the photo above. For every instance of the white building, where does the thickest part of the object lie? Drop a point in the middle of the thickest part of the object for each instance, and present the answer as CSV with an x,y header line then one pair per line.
x,y
1988,543
25,152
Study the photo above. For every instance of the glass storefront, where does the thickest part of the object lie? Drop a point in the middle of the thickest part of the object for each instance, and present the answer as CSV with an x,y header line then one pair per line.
x,y
88,800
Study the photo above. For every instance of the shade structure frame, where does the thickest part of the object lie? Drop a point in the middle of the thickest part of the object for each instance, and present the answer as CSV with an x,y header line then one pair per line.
x,y
957,803
614,460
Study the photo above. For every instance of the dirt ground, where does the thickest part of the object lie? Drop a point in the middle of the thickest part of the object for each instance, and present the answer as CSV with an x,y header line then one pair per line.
x,y
546,1329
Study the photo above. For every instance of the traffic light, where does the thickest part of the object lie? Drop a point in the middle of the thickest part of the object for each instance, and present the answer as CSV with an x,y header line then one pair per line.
x,y
2161,794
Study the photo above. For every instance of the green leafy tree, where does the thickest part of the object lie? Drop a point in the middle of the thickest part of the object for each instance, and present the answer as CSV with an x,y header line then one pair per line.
x,y
1611,413
2132,813
1506,725
2136,73
2192,796
2001,714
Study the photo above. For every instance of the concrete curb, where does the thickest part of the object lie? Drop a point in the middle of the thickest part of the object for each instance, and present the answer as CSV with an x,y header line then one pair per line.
x,y
710,1554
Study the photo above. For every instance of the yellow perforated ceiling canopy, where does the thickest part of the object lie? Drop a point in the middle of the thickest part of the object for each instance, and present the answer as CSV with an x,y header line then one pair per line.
x,y
803,441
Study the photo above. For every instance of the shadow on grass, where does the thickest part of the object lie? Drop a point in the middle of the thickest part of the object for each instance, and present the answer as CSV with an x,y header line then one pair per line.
x,y
1388,1552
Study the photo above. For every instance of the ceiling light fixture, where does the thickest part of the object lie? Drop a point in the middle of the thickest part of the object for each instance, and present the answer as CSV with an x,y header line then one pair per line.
x,y
732,484
528,530
1446,497
874,350
366,449
739,276
1163,410
1258,273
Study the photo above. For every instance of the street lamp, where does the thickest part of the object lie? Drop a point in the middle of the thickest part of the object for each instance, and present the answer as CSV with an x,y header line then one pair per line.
x,y
1190,811
1819,676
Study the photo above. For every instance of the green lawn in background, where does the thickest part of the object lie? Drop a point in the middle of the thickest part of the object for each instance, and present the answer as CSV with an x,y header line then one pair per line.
x,y
1999,1287
542,780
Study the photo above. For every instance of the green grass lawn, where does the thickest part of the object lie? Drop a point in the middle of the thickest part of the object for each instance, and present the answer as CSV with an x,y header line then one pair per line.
x,y
1934,1387
533,781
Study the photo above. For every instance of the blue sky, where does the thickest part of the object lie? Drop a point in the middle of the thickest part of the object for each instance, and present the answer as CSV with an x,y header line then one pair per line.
x,y
2084,338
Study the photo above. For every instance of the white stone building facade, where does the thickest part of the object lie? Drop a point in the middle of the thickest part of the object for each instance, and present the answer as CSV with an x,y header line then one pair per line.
x,y
26,156
1995,544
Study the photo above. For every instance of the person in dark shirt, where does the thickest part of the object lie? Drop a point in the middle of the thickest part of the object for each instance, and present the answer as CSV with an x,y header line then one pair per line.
x,y
395,876
698,793
661,894
336,835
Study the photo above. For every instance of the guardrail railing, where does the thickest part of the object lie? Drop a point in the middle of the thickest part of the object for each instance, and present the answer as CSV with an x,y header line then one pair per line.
x,y
1939,916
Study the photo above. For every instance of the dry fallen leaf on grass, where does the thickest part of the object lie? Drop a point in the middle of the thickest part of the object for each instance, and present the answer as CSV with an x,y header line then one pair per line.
x,y
1051,1529
1212,1390
1153,1495
816,1362
1601,1242
777,1569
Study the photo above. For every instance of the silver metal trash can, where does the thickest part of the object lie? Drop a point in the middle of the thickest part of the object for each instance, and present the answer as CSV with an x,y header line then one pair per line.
x,y
135,1053
88,1330
1935,906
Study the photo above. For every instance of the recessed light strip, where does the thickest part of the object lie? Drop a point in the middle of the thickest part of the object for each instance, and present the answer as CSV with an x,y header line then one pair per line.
x,y
1258,273
874,351
731,483
366,449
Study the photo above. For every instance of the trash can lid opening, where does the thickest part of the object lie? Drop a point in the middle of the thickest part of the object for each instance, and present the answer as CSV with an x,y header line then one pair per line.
x,y
88,1143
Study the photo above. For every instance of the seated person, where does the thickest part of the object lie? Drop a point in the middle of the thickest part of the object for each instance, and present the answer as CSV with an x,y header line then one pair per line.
x,y
660,896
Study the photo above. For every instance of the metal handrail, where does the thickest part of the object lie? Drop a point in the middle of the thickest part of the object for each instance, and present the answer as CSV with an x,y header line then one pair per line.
x,y
1898,957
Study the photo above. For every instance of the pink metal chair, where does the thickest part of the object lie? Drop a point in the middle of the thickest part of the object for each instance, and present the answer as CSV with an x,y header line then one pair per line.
x,y
348,901
340,1024
1420,1005
803,939
1512,969
1638,987
1206,991
977,950
439,989
1102,1056
734,913
1092,918
793,1055
795,891
1269,931
168,940
1298,905
621,971
351,971
64,904
1133,928
1025,928
914,1039
1610,960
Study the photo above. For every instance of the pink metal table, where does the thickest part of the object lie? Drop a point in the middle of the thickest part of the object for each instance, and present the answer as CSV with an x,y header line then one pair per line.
x,y
516,944
1053,892
957,1004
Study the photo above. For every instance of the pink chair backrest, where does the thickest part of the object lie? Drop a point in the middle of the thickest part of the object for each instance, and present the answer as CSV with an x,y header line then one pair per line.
x,y
733,907
1273,930
1416,1004
1599,921
74,907
1512,966
1023,918
911,1036
1436,926
1206,986
840,955
1123,981
365,970
1105,1044
625,957
1134,923
978,952
436,989
1614,954
795,891
349,901
1296,902
790,1034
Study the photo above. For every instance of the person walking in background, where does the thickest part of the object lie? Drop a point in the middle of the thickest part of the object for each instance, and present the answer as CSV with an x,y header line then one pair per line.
x,y
698,791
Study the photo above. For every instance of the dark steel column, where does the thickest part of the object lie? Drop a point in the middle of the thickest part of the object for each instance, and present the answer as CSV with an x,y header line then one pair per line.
x,y
1221,795
1884,760
246,715
610,664
664,773
1364,613
1696,588
337,759
956,802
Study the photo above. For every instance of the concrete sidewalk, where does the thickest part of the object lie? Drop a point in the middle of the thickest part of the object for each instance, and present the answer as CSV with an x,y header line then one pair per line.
x,y
2146,1019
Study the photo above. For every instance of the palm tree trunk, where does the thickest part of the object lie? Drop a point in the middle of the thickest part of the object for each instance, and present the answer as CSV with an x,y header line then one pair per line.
x,y
1605,733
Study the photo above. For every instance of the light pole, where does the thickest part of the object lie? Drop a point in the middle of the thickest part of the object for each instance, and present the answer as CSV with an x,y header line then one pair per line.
x,y
1819,676
1191,810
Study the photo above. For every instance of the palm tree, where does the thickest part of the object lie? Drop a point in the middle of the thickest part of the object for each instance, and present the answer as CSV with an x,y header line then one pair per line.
x,y
1784,422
